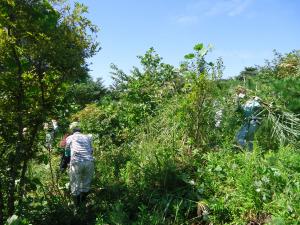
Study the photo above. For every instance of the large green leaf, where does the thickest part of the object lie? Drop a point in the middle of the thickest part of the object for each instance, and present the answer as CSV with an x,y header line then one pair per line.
x,y
198,47
189,56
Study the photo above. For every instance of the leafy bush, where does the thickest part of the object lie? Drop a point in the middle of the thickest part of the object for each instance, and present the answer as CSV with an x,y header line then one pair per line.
x,y
252,186
161,159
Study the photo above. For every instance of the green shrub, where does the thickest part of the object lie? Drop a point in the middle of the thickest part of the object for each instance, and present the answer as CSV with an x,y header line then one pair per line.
x,y
248,184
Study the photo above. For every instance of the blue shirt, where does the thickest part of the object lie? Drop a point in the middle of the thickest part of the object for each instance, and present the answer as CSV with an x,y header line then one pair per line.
x,y
251,108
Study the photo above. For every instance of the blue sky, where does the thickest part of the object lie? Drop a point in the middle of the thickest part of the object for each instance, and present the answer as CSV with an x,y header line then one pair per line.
x,y
243,32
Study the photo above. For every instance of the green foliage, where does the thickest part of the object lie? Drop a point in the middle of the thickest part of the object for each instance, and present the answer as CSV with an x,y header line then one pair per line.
x,y
249,185
198,47
247,72
15,220
85,93
189,56
160,157
43,49
289,65
162,160
202,93
135,98
283,66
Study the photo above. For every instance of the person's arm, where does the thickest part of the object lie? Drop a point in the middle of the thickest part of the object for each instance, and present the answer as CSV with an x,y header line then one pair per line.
x,y
68,144
62,143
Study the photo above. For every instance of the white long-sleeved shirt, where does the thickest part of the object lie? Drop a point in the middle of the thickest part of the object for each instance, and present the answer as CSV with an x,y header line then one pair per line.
x,y
80,146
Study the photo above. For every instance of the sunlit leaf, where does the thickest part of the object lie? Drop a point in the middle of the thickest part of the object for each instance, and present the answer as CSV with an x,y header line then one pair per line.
x,y
189,56
198,47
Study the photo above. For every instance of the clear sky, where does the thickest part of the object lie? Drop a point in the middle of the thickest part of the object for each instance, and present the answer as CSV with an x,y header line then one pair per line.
x,y
243,32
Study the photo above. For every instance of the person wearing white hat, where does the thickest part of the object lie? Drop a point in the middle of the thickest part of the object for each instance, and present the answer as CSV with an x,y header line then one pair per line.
x,y
251,109
81,163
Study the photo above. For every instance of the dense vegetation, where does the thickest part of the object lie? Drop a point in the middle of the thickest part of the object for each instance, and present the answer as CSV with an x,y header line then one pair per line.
x,y
160,158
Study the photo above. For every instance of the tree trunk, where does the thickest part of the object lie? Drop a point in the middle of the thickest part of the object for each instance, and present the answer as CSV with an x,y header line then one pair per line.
x,y
22,182
26,157
1,205
16,159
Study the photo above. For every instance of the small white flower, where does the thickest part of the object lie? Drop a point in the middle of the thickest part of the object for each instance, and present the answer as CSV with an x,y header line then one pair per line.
x,y
258,183
234,166
265,179
277,174
192,182
17,181
290,209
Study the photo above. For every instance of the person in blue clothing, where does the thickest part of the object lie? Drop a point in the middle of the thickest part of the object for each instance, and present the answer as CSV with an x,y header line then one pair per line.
x,y
51,130
251,109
